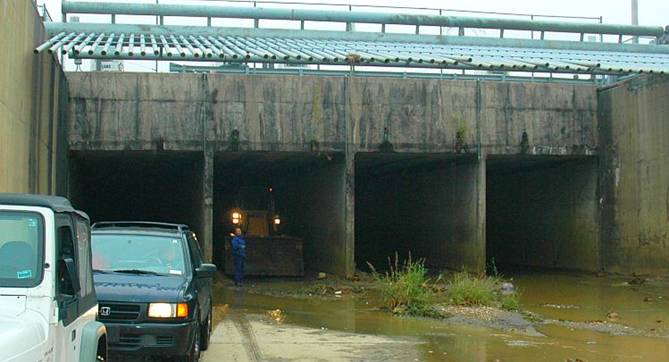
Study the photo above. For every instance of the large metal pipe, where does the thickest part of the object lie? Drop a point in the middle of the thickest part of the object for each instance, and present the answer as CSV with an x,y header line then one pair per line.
x,y
168,30
355,17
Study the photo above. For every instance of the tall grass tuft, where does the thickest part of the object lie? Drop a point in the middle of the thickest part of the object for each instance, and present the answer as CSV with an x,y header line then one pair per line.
x,y
405,286
468,290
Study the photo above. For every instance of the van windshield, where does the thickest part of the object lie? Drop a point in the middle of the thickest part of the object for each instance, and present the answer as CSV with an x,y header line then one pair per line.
x,y
21,249
138,254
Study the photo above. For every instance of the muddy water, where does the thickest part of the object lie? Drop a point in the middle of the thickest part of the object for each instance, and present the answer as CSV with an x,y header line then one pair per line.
x,y
555,296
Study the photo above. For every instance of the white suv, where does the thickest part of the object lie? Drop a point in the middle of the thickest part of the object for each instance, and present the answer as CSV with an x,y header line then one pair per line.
x,y
47,299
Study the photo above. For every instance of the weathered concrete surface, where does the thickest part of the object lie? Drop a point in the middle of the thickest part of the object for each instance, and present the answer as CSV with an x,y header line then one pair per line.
x,y
278,113
177,112
314,203
543,213
634,175
33,95
240,337
429,208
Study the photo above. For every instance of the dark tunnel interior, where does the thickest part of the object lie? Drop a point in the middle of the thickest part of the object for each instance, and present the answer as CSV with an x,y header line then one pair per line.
x,y
138,186
307,189
541,212
416,204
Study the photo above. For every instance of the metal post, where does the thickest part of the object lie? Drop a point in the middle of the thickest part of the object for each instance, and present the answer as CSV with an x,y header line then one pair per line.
x,y
532,19
441,28
635,18
158,21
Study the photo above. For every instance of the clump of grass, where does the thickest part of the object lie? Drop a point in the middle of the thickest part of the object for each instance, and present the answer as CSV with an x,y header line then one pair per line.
x,y
469,290
405,287
510,302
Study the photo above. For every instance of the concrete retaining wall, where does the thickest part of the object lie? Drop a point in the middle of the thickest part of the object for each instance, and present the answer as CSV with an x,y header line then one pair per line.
x,y
33,96
279,113
634,176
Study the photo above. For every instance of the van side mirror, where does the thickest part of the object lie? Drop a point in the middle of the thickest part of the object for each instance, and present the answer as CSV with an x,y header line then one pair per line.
x,y
206,271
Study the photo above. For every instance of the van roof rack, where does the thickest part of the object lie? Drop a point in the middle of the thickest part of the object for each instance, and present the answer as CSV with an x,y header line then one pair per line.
x,y
144,224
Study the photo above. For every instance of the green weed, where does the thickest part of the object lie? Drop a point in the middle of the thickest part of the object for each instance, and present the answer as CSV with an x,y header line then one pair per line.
x,y
405,287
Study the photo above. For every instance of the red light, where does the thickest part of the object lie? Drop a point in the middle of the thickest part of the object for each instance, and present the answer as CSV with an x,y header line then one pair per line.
x,y
271,189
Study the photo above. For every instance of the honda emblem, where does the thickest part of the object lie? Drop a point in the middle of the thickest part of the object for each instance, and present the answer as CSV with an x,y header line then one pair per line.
x,y
105,311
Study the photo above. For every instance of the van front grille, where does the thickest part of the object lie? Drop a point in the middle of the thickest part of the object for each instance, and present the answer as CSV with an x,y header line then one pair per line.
x,y
118,312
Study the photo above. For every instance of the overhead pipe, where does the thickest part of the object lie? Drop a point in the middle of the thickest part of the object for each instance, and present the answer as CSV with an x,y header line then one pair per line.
x,y
49,43
302,53
119,45
206,52
55,28
280,53
108,43
439,56
72,43
225,51
94,46
131,44
405,62
81,7
189,46
166,45
142,45
85,42
61,42
314,50
239,51
154,45
176,44
214,49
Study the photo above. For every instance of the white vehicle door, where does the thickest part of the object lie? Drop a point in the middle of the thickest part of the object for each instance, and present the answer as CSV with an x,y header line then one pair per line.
x,y
76,297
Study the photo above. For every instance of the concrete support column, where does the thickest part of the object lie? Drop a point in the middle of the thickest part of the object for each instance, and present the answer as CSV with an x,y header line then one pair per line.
x,y
478,259
349,212
206,239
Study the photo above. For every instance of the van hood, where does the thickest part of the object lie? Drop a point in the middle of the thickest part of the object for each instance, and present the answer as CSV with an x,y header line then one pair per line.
x,y
18,335
119,287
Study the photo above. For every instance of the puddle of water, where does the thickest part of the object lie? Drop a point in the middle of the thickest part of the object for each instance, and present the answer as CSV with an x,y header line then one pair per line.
x,y
589,298
584,298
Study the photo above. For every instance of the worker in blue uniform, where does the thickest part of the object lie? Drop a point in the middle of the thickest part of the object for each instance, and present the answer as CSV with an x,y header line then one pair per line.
x,y
239,255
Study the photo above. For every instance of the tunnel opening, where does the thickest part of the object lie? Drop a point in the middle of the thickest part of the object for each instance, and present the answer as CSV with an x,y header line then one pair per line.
x,y
417,204
306,190
541,213
139,186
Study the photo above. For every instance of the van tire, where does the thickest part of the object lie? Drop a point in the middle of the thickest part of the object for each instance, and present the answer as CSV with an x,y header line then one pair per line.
x,y
205,334
101,354
193,354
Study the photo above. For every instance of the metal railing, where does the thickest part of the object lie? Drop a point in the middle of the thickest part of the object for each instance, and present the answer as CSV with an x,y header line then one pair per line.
x,y
43,12
439,11
160,10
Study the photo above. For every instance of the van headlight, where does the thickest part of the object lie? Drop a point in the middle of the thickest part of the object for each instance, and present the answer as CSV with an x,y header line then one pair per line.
x,y
168,310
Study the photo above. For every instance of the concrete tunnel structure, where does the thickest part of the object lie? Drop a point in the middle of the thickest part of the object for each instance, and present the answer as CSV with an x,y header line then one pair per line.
x,y
362,167
157,146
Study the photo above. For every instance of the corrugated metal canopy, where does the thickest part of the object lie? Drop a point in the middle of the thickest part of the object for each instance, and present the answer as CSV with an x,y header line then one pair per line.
x,y
259,45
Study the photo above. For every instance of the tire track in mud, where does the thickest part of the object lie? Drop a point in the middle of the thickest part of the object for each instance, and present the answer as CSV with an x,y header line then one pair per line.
x,y
244,327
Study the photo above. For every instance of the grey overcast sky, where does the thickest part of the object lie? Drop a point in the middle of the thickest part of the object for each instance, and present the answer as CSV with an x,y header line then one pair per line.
x,y
651,12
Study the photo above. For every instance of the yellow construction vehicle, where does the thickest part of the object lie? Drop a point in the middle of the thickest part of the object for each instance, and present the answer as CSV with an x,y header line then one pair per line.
x,y
269,252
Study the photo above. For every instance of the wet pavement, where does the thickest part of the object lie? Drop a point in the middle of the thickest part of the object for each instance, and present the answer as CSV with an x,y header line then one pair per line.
x,y
580,312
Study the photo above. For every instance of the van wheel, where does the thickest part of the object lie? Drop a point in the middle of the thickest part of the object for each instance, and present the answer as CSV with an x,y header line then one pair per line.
x,y
206,331
194,351
101,354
